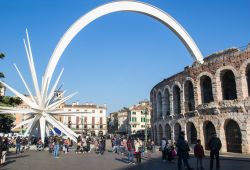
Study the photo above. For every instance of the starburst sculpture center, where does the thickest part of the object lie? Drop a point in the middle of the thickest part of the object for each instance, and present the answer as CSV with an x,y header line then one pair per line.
x,y
42,106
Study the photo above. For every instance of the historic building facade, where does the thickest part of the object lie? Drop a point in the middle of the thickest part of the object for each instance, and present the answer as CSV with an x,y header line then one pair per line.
x,y
84,118
139,117
205,99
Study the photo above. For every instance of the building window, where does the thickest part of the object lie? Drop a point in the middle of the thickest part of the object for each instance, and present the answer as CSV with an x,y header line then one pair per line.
x,y
134,126
133,119
143,119
93,111
134,113
101,111
142,126
69,110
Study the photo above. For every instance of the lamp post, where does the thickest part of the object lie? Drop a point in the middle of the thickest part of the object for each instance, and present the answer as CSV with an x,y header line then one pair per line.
x,y
146,129
82,124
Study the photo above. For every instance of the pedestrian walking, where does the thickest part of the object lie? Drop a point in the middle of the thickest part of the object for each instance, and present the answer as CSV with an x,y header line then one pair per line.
x,y
199,154
182,152
149,146
131,150
66,145
138,148
56,146
163,149
3,150
214,147
18,145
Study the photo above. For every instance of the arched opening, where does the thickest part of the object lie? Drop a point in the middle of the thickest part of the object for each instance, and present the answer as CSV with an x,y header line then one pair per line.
x,y
159,105
248,78
206,89
177,100
156,135
168,132
177,130
228,85
166,106
233,137
189,96
154,107
209,131
160,133
191,133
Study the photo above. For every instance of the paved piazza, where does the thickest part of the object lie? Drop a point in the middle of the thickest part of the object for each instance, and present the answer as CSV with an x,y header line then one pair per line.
x,y
34,160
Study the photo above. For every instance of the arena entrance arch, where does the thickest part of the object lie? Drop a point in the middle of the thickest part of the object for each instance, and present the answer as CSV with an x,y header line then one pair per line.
x,y
233,137
191,133
209,131
116,6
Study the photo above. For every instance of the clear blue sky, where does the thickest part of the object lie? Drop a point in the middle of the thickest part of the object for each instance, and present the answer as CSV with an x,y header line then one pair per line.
x,y
118,58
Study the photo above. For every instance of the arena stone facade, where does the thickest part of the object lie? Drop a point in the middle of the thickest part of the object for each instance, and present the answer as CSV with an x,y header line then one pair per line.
x,y
213,97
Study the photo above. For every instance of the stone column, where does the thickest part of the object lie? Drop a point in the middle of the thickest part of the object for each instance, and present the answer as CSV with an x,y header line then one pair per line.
x,y
245,141
182,100
221,134
172,134
238,83
216,88
171,104
196,95
242,88
201,134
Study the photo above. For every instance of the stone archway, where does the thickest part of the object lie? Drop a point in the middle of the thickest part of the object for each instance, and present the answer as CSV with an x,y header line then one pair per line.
x,y
228,85
233,136
159,105
176,100
206,89
177,130
117,6
155,135
209,131
189,96
160,133
191,133
168,132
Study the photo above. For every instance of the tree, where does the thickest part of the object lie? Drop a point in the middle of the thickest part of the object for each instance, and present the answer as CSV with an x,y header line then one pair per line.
x,y
2,57
7,120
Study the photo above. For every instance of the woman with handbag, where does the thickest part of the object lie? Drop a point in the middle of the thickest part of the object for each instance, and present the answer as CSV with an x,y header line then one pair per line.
x,y
138,147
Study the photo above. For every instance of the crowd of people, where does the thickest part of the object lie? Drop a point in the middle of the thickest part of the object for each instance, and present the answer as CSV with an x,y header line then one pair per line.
x,y
132,147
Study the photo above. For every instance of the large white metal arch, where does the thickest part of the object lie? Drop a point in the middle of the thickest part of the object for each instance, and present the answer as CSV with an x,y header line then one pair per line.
x,y
117,6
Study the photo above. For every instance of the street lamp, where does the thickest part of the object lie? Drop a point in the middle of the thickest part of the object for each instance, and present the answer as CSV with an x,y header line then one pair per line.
x,y
82,124
146,129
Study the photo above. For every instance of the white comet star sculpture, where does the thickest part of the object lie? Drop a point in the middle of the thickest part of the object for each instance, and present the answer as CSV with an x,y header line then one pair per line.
x,y
43,106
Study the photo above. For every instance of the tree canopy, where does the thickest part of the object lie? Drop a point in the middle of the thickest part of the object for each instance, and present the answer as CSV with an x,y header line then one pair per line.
x,y
7,120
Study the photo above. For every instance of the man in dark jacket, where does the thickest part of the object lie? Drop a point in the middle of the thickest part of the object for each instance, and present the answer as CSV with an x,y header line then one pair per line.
x,y
18,144
214,147
182,151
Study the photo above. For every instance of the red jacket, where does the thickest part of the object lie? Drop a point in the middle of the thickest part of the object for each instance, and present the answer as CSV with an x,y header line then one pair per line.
x,y
199,151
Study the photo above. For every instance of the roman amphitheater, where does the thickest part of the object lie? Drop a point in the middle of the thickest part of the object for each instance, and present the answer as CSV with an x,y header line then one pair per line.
x,y
207,98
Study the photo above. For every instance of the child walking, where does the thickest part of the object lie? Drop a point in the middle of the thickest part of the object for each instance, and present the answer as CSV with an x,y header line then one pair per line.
x,y
199,154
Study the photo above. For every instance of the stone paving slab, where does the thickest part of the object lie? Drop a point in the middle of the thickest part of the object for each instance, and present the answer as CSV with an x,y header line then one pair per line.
x,y
35,160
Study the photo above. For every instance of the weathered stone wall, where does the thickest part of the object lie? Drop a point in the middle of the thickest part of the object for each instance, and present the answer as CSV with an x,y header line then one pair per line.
x,y
219,111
